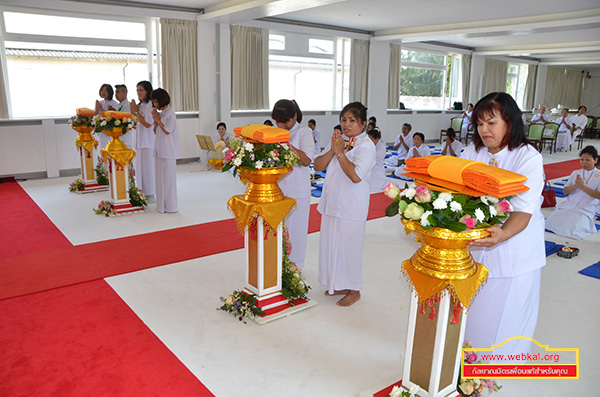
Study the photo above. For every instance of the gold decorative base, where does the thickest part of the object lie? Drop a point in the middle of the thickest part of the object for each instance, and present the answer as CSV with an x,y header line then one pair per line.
x,y
262,184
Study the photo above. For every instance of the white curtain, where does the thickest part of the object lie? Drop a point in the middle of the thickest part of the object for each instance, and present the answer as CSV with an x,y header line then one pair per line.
x,y
563,86
359,70
494,76
179,46
3,97
249,68
465,67
393,100
530,86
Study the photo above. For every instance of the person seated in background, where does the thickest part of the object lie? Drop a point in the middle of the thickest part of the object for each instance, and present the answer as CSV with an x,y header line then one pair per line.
x,y
574,218
467,122
378,179
268,122
222,130
580,121
563,139
373,120
312,124
403,143
371,126
452,146
541,117
418,150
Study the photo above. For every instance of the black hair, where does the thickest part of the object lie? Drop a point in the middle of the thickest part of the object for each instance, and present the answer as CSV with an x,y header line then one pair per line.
x,y
372,125
338,127
450,132
110,90
298,111
357,109
268,122
161,96
504,106
408,125
419,134
313,122
375,133
283,111
582,106
123,86
221,124
591,150
373,119
147,86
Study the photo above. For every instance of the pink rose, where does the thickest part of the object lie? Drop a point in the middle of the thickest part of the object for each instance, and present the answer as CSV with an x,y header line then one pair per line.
x,y
504,205
423,194
391,191
467,220
229,155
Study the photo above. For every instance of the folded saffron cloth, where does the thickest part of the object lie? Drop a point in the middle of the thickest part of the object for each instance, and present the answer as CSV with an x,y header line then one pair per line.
x,y
85,112
263,133
453,172
116,115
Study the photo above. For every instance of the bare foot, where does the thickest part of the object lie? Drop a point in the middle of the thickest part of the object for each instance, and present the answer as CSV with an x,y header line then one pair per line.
x,y
340,292
351,298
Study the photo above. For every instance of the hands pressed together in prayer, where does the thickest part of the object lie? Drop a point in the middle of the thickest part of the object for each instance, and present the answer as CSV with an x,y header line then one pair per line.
x,y
337,143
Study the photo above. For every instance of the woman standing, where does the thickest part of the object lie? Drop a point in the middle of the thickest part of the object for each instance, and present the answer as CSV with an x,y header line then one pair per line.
x,y
167,151
144,138
574,218
107,103
296,184
344,205
514,253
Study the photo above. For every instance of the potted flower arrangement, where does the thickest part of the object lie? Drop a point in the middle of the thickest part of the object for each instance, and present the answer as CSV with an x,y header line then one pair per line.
x,y
83,117
456,212
242,156
474,387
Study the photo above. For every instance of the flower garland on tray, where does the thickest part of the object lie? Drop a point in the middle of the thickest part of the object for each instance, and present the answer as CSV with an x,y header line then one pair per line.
x,y
84,117
113,120
474,387
456,212
255,156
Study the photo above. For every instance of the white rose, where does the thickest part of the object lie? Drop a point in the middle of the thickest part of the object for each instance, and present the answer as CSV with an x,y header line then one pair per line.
x,y
414,390
491,199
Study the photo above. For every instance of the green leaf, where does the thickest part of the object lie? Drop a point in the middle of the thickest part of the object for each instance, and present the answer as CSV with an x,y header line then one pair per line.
x,y
392,209
455,226
433,220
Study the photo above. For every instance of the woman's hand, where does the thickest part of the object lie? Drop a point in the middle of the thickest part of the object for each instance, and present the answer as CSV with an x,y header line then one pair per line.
x,y
134,107
497,235
337,143
579,182
515,224
156,115
98,107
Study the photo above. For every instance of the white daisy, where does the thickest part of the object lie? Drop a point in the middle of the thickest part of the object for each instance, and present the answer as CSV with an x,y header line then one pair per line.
x,y
259,165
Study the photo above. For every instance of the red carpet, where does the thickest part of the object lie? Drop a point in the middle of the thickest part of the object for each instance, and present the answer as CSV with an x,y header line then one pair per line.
x,y
85,341
45,269
561,169
24,228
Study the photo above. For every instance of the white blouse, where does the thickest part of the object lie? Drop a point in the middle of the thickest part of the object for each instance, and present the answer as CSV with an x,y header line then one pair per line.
x,y
167,146
296,184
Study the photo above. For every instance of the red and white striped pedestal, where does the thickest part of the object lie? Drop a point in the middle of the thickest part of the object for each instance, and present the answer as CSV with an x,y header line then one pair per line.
x,y
433,350
119,192
88,174
263,273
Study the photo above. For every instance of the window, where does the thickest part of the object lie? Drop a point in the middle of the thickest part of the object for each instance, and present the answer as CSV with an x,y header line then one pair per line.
x,y
429,80
57,63
313,71
516,78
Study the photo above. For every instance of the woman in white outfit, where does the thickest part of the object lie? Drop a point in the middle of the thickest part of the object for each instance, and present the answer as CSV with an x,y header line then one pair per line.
x,y
144,139
418,150
467,120
106,103
167,151
574,218
344,205
296,184
514,253
378,178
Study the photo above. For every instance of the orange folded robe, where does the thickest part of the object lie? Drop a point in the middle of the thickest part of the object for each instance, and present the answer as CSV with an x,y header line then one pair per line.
x,y
116,115
493,180
263,133
85,112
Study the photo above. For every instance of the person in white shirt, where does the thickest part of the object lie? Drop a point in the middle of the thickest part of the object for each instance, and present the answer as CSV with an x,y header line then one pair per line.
x,y
296,184
466,124
107,103
344,205
124,106
580,120
312,124
418,150
541,117
144,141
452,146
563,139
402,144
167,151
378,178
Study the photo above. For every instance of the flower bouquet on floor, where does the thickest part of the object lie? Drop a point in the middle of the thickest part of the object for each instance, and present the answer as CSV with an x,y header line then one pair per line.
x,y
77,185
474,387
241,305
250,156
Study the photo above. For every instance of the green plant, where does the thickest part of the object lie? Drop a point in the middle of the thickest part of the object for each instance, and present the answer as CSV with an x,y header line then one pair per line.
x,y
101,174
293,286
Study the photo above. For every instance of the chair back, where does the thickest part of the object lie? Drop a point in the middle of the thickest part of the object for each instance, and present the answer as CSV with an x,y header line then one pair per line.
x,y
550,131
589,122
456,124
535,132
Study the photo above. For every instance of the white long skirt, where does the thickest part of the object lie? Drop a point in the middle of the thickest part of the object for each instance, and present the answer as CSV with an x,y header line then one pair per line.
x,y
166,185
145,171
341,253
297,225
504,308
572,223
563,140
